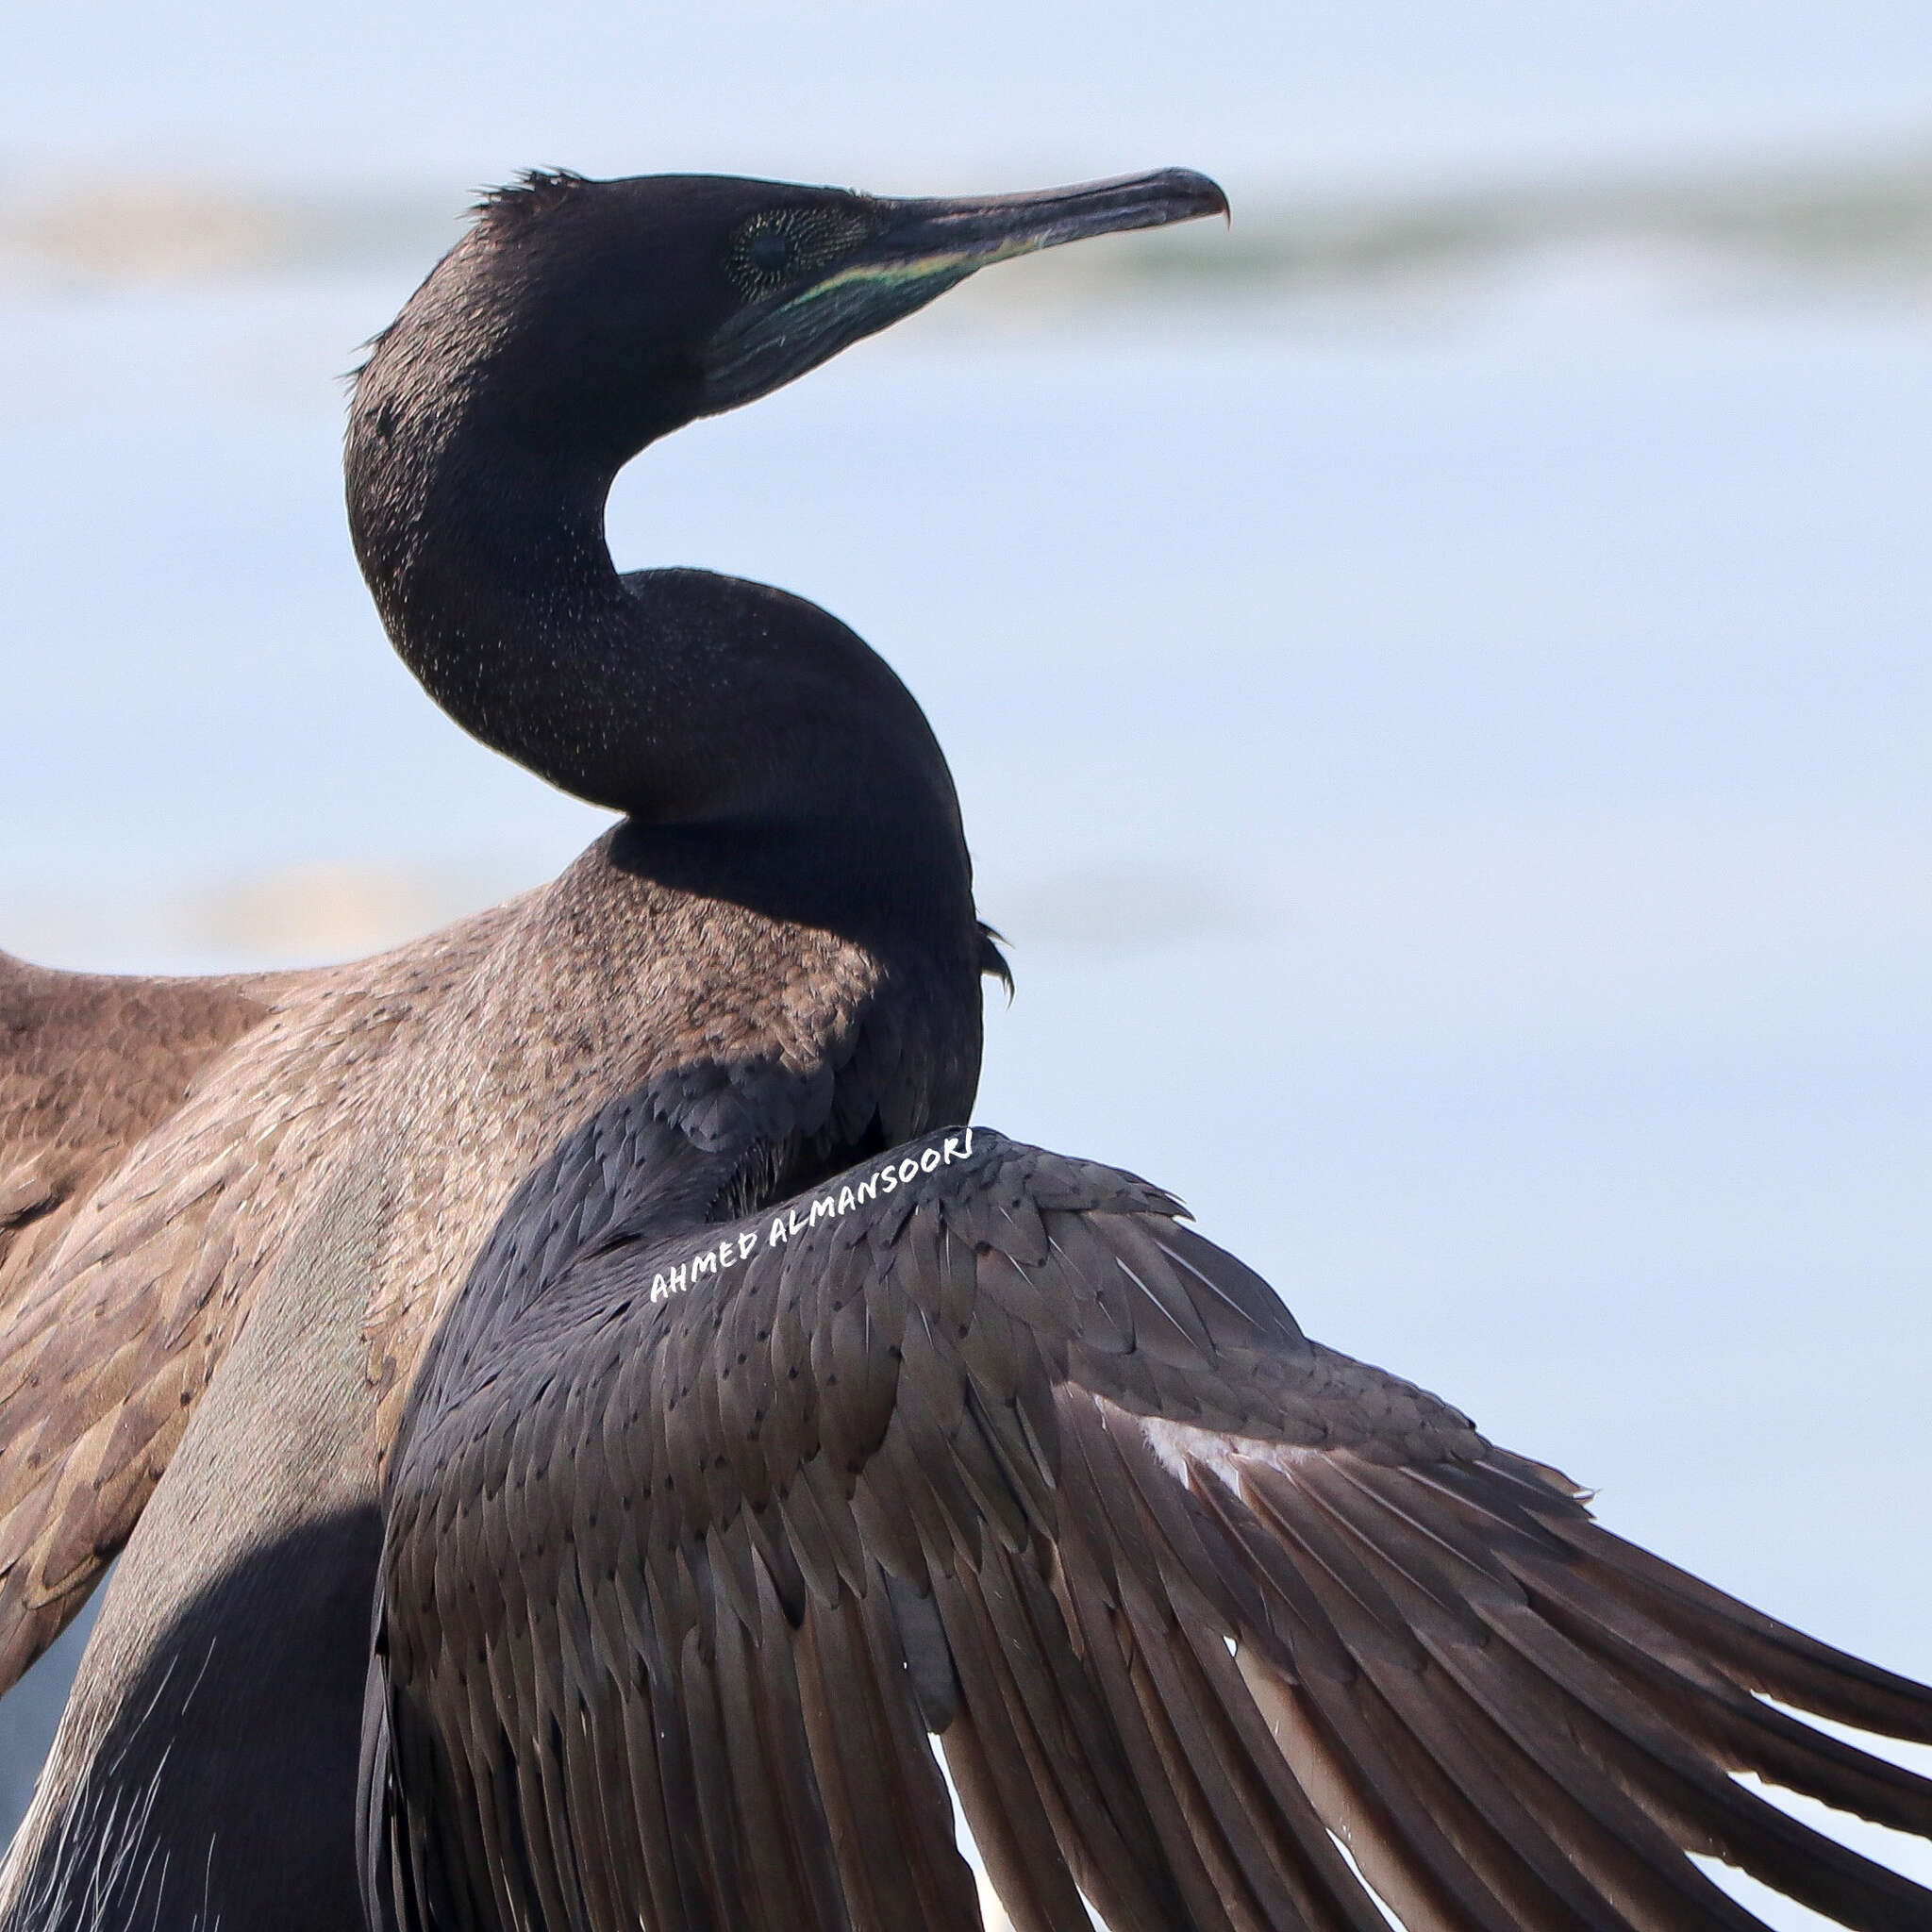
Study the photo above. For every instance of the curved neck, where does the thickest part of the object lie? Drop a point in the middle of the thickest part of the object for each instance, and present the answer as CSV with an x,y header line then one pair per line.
x,y
681,698
494,582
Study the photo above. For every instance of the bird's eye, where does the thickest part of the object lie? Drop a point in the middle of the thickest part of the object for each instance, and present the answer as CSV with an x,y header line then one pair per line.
x,y
776,246
769,252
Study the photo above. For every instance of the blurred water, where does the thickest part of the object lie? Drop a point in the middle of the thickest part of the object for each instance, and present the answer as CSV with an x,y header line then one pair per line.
x,y
1456,782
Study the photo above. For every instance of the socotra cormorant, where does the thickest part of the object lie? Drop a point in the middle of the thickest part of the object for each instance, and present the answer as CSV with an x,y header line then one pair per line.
x,y
600,1295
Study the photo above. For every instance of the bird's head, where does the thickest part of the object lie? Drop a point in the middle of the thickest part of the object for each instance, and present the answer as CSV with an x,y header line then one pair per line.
x,y
575,322
604,313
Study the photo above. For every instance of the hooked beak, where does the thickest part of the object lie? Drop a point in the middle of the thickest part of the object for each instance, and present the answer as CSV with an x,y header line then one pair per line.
x,y
918,250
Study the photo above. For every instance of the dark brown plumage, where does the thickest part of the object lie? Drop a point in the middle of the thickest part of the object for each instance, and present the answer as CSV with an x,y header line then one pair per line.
x,y
240,1209
680,1569
327,1180
519,1286
89,1067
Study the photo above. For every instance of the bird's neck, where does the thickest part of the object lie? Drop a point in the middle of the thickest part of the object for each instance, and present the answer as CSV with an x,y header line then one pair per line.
x,y
701,707
495,584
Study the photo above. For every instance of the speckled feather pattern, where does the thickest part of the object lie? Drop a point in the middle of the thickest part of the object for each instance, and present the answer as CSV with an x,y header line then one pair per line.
x,y
110,1339
188,1126
679,1579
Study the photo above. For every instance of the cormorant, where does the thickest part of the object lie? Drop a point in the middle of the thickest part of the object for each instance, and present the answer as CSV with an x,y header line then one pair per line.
x,y
741,1421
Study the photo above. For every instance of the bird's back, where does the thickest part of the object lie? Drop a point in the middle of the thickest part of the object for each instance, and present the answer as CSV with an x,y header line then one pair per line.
x,y
235,1306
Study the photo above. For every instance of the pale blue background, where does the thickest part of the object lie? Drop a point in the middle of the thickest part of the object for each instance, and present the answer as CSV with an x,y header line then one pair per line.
x,y
1453,766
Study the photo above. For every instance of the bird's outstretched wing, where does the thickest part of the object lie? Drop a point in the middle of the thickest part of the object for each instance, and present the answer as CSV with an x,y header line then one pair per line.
x,y
88,1065
689,1553
91,1066
152,1134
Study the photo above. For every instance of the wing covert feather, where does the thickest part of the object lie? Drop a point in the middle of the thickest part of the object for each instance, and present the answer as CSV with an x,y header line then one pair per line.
x,y
1216,1627
196,1120
92,1067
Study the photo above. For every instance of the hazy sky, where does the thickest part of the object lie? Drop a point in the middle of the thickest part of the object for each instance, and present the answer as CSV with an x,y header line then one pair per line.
x,y
903,95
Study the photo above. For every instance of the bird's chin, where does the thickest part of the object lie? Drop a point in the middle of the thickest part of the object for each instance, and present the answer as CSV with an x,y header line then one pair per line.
x,y
762,349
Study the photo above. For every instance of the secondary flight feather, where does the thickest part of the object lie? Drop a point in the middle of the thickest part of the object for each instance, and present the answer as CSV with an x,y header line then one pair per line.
x,y
1215,1627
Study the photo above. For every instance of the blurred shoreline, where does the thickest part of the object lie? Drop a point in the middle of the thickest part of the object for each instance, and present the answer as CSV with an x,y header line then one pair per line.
x,y
1856,222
